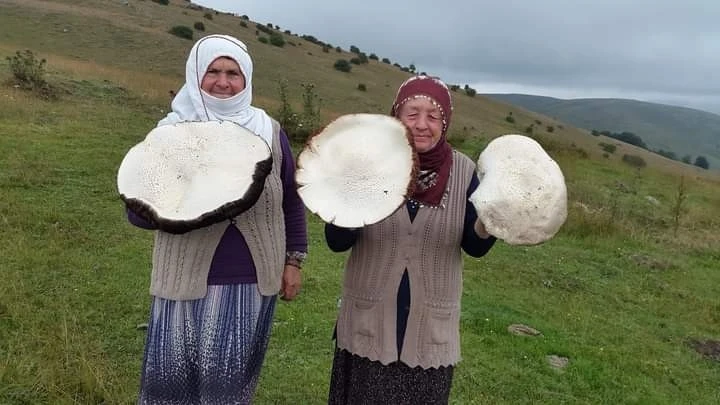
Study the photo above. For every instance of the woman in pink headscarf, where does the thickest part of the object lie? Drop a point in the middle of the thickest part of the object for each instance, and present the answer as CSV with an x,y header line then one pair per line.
x,y
397,333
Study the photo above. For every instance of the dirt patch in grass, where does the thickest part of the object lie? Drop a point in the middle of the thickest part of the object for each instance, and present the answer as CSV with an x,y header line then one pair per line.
x,y
710,349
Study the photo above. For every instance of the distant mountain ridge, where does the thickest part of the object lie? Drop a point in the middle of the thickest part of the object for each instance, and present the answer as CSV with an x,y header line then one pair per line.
x,y
684,131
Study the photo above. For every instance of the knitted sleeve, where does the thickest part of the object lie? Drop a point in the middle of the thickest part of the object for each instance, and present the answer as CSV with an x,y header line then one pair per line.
x,y
139,221
293,208
471,243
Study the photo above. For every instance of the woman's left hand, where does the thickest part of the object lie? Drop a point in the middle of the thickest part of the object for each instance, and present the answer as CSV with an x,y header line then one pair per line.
x,y
291,282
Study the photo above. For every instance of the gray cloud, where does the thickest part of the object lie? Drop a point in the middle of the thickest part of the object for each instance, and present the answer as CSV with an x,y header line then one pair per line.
x,y
656,50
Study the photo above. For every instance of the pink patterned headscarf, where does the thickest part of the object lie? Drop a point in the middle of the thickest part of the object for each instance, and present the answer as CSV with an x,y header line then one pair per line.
x,y
435,164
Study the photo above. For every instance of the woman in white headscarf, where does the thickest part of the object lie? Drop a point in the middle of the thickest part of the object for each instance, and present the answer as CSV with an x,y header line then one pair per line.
x,y
208,348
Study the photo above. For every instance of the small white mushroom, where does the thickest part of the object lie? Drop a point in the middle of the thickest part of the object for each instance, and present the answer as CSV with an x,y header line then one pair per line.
x,y
522,197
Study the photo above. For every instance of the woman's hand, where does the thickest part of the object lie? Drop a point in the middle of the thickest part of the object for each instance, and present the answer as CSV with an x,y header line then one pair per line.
x,y
480,229
291,282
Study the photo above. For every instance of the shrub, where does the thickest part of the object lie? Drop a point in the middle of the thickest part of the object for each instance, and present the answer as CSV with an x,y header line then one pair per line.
x,y
299,126
277,39
263,28
199,26
243,24
356,61
529,129
634,161
264,40
342,65
668,154
386,60
163,2
208,16
326,49
701,161
373,56
362,87
310,119
607,147
550,128
286,117
338,49
454,87
509,118
245,17
182,31
29,73
470,91
354,49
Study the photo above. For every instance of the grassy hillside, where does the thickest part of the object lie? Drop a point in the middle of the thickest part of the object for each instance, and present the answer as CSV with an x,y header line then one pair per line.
x,y
684,131
625,290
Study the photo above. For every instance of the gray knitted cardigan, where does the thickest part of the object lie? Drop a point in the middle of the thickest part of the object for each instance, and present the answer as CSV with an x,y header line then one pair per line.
x,y
429,248
181,263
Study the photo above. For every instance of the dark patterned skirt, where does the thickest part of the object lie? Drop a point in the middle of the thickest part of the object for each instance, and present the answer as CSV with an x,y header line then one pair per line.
x,y
206,351
357,380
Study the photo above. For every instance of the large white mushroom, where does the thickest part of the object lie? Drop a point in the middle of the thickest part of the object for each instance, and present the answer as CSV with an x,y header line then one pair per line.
x,y
358,170
192,174
522,197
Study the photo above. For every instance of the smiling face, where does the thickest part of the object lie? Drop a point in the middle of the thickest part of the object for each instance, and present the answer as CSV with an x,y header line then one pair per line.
x,y
424,118
223,78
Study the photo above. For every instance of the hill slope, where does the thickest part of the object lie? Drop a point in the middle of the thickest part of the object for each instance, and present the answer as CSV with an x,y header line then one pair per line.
x,y
627,291
684,131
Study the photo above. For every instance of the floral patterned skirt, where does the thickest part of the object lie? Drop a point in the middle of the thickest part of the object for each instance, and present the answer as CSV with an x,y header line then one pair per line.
x,y
357,380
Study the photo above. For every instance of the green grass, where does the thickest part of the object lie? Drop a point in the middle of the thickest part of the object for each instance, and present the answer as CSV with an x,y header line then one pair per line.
x,y
616,292
76,276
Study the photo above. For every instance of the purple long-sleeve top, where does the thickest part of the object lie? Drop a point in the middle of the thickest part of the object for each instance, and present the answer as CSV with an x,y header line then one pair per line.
x,y
232,262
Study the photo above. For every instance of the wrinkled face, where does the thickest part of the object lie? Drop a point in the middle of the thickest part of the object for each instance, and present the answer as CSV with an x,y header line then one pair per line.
x,y
424,119
223,78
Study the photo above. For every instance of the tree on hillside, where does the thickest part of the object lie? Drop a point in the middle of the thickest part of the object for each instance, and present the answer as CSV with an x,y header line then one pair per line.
x,y
686,159
701,161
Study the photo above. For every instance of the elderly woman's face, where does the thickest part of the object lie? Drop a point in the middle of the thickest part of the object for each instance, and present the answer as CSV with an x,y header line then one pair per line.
x,y
424,120
223,78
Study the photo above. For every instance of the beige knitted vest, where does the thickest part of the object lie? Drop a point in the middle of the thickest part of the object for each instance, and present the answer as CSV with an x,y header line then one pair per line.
x,y
181,263
429,248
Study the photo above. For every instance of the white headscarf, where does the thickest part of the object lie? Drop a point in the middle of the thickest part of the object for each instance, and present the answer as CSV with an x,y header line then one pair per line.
x,y
193,104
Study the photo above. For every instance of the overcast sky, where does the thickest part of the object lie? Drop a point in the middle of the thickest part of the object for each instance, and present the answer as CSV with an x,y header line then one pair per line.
x,y
654,50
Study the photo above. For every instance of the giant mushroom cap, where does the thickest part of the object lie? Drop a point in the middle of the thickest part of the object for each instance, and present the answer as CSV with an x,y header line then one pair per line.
x,y
358,170
521,198
189,175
